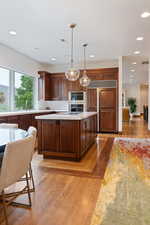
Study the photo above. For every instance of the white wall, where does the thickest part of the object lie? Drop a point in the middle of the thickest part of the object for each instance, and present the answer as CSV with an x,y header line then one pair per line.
x,y
133,91
121,69
11,59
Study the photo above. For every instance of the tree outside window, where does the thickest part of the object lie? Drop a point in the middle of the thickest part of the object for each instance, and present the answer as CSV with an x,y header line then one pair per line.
x,y
24,92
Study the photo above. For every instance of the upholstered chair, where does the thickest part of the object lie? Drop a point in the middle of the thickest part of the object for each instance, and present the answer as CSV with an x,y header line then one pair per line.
x,y
15,164
32,131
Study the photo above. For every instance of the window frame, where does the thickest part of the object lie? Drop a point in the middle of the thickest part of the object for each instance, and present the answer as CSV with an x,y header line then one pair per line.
x,y
11,98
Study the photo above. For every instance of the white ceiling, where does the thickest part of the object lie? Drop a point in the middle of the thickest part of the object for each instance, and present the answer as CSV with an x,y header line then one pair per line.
x,y
109,26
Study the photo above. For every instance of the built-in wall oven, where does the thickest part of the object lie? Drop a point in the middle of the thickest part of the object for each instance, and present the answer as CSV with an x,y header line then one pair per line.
x,y
77,101
77,96
77,107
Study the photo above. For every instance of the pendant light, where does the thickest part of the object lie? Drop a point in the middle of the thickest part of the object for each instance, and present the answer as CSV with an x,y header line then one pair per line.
x,y
84,80
72,74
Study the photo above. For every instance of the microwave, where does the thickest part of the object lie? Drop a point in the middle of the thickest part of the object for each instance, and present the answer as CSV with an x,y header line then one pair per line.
x,y
79,96
77,107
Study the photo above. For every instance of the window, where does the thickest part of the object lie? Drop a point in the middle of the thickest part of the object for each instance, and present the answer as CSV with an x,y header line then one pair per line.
x,y
24,97
16,91
4,90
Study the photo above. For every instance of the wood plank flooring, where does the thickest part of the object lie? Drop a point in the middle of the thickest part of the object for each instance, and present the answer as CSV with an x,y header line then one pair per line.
x,y
68,197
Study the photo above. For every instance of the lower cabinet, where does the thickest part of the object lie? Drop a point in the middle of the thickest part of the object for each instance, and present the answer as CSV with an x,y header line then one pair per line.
x,y
24,121
66,139
4,119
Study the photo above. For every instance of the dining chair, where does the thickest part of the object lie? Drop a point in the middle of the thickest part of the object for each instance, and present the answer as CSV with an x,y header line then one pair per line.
x,y
8,125
15,164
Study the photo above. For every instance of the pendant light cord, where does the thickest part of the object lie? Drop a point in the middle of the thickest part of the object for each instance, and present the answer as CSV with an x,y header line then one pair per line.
x,y
84,58
72,49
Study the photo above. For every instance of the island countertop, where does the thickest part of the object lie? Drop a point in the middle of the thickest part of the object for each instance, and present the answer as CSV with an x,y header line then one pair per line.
x,y
66,116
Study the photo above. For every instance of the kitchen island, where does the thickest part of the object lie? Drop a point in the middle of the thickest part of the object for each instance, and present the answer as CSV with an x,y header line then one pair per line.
x,y
65,135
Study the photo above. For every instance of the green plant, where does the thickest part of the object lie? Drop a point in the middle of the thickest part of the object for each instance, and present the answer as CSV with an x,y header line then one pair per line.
x,y
132,104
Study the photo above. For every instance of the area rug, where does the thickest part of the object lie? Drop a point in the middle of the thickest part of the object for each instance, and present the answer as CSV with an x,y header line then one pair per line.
x,y
124,198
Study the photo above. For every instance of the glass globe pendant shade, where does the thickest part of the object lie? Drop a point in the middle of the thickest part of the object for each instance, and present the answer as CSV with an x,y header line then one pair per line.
x,y
72,74
84,80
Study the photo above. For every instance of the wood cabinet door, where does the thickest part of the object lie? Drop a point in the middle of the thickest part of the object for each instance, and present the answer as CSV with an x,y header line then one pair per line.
x,y
55,88
83,136
3,119
69,129
50,136
92,100
25,121
108,110
14,119
65,88
44,86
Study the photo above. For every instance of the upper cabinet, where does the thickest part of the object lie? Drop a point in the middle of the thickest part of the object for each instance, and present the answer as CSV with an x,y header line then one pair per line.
x,y
44,86
56,87
92,100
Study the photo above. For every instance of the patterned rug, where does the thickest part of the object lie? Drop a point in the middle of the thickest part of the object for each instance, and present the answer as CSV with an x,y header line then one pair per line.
x,y
124,198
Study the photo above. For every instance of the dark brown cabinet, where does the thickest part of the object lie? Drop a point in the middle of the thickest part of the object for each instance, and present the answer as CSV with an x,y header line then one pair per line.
x,y
92,100
44,86
66,138
23,121
51,132
68,129
55,88
108,110
3,119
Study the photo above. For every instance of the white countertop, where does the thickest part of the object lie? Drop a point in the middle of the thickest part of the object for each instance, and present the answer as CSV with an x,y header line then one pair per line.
x,y
66,116
29,112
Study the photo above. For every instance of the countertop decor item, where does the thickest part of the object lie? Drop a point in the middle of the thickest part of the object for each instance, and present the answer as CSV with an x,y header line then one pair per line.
x,y
84,80
72,74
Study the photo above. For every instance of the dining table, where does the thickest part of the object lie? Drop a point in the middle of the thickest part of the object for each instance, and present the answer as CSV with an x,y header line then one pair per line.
x,y
8,135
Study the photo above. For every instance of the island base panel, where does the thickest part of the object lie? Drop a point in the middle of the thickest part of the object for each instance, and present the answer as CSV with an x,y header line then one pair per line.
x,y
66,139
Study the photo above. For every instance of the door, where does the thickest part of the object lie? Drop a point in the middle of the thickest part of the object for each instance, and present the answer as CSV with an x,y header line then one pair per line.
x,y
68,128
92,100
50,135
108,110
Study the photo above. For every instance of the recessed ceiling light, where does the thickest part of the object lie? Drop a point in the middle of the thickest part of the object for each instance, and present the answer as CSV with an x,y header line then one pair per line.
x,y
92,56
12,32
132,70
145,14
53,59
134,63
140,38
137,52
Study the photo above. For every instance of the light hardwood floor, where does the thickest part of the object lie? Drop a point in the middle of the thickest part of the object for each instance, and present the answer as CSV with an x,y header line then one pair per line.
x,y
66,196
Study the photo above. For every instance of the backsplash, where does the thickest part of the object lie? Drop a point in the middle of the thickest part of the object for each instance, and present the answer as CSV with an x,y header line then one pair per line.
x,y
56,105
